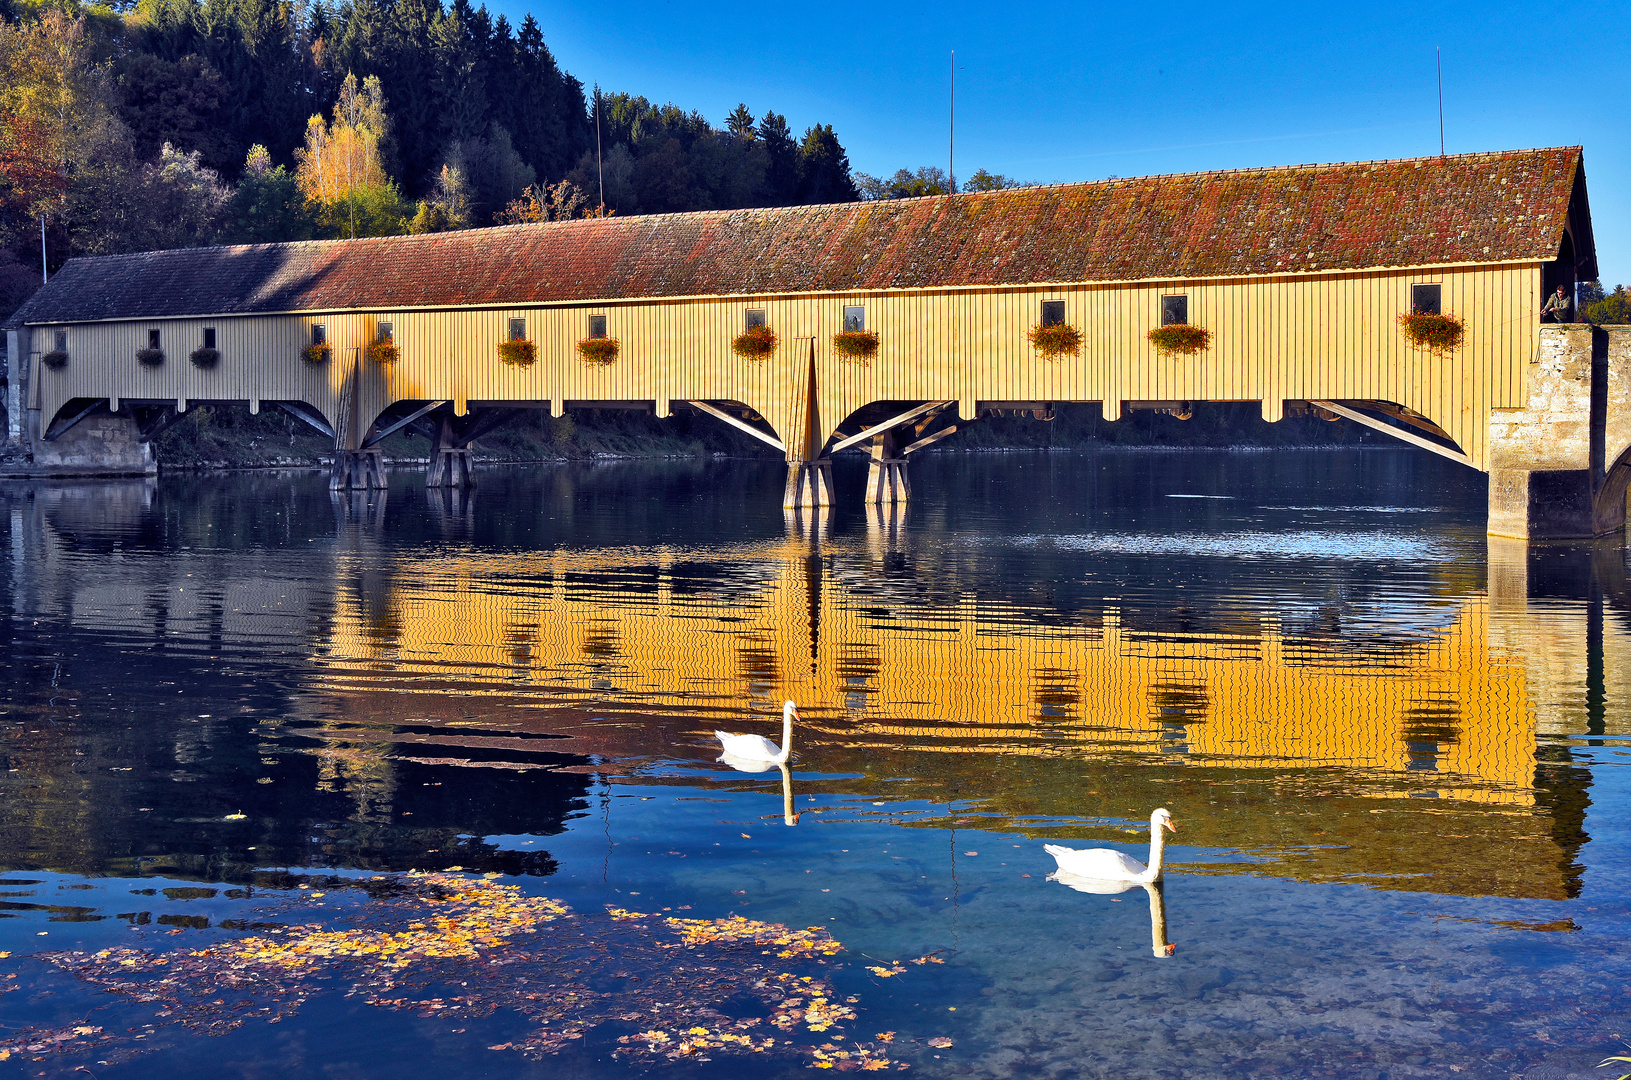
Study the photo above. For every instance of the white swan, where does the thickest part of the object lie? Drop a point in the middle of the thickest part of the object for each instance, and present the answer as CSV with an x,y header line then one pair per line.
x,y
749,748
1107,865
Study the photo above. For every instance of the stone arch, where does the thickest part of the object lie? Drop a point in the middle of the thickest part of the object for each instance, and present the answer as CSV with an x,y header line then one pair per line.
x,y
1608,505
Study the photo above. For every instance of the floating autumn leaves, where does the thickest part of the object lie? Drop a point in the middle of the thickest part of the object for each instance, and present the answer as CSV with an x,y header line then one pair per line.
x,y
453,947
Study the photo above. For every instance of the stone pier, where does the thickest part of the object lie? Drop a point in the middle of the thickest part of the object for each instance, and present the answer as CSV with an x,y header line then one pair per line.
x,y
1559,467
99,443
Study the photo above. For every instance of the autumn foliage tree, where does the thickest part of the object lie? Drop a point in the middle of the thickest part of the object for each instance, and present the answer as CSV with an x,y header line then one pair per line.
x,y
340,168
562,202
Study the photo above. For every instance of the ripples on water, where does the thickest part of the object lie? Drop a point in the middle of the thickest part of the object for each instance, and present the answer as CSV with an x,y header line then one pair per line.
x,y
1393,751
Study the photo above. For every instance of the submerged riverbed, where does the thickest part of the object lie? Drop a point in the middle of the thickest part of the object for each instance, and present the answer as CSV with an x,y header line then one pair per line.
x,y
406,783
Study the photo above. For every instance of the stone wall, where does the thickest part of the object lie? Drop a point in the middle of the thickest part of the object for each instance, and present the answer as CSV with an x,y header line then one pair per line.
x,y
102,444
1612,505
1552,463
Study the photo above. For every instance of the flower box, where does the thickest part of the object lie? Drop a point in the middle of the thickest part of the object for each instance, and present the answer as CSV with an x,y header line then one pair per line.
x,y
149,357
317,354
599,351
54,359
519,353
1438,334
856,346
1181,339
205,358
384,352
755,343
1055,341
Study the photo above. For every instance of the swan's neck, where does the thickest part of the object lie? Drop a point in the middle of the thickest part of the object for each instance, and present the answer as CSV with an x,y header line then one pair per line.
x,y
1158,847
787,737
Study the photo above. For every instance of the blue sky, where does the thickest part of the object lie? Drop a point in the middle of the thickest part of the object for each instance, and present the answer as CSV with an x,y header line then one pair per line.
x,y
1058,92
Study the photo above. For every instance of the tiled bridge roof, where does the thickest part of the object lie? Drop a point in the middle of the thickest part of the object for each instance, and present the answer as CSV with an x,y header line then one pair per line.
x,y
1469,208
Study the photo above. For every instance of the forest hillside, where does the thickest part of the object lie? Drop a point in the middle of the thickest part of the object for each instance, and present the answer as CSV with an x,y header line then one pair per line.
x,y
176,123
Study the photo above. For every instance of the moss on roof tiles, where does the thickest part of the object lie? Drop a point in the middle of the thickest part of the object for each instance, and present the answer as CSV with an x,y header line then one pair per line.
x,y
1262,221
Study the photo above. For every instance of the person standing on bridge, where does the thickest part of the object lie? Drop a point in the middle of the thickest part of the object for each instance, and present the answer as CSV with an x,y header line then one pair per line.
x,y
1557,307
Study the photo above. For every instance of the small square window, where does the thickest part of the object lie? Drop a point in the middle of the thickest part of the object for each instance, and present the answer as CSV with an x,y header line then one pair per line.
x,y
209,337
1174,310
1427,299
319,334
754,316
62,341
597,326
518,329
854,318
1053,313
152,339
385,332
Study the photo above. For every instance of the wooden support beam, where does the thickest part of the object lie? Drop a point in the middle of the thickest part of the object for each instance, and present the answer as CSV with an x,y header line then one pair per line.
x,y
61,425
480,423
158,422
878,429
1411,417
305,413
1398,433
927,439
741,425
386,432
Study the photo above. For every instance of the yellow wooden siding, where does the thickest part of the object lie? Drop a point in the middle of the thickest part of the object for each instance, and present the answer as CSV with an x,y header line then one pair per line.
x,y
1299,337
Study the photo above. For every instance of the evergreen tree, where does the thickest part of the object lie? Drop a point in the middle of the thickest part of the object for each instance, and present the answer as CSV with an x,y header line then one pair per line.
x,y
824,168
781,181
268,207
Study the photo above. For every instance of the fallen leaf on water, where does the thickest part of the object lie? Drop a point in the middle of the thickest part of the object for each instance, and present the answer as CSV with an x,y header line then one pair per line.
x,y
940,1042
562,972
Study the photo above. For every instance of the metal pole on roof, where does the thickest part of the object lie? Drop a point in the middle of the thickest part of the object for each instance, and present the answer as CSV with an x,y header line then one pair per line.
x,y
951,149
1439,52
45,270
599,169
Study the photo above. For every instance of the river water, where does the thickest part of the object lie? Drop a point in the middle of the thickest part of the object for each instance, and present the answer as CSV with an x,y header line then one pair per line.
x,y
408,784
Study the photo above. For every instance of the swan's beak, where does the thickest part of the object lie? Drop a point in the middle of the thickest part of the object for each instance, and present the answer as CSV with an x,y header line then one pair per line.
x,y
1169,824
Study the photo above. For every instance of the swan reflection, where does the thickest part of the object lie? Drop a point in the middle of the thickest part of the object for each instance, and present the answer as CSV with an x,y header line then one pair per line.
x,y
1160,947
759,765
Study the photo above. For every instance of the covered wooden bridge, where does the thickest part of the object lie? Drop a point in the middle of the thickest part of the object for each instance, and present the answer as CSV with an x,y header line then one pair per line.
x,y
894,323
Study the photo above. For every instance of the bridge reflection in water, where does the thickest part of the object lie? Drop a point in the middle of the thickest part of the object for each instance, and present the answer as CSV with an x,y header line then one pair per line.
x,y
1425,747
1427,753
